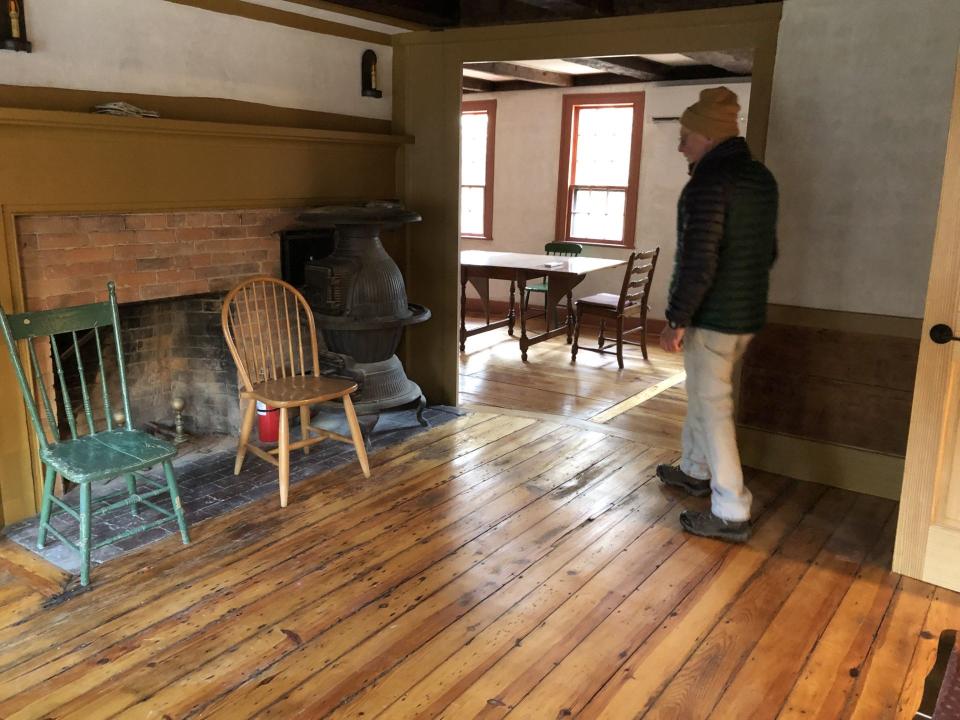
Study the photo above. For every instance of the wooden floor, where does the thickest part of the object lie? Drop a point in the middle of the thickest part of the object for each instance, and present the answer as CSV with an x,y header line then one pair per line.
x,y
512,563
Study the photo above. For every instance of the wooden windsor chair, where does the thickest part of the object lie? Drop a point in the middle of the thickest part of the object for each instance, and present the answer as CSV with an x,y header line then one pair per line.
x,y
99,455
630,303
270,330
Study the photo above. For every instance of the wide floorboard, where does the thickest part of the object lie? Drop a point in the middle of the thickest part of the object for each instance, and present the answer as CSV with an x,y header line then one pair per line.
x,y
511,563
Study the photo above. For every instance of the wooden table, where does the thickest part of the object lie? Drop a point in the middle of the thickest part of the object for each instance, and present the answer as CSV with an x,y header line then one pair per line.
x,y
564,273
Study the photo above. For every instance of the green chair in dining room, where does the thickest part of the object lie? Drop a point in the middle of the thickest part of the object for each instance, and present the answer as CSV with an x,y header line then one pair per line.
x,y
563,249
107,450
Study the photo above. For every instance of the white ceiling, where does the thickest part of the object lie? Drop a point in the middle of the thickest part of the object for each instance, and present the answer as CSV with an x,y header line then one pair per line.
x,y
569,68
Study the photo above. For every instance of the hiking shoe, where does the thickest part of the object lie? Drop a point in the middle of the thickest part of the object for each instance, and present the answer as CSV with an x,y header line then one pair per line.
x,y
706,524
673,476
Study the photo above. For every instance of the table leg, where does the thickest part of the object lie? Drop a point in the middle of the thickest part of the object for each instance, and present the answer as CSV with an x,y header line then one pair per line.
x,y
463,309
524,340
511,313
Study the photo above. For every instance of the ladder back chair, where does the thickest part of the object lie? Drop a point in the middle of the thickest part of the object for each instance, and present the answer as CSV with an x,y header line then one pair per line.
x,y
630,303
560,249
272,337
106,450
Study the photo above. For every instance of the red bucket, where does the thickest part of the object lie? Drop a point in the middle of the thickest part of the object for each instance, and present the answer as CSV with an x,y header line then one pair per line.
x,y
268,423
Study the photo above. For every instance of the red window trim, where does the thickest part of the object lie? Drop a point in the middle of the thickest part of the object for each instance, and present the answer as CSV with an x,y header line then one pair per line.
x,y
490,108
568,149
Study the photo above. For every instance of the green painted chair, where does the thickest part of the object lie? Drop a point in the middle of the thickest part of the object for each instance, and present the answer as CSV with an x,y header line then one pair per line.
x,y
97,455
564,249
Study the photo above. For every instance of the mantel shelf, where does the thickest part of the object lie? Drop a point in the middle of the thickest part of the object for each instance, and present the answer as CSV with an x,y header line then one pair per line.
x,y
113,124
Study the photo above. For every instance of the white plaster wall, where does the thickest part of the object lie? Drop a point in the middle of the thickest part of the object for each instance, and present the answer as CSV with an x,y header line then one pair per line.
x,y
527,163
862,91
161,48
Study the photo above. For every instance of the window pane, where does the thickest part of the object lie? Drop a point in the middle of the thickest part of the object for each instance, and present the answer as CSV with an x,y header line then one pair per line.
x,y
597,214
471,211
603,145
473,135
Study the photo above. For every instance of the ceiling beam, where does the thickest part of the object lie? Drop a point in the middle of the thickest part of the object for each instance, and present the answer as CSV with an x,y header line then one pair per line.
x,y
567,8
737,62
432,13
472,84
637,68
521,72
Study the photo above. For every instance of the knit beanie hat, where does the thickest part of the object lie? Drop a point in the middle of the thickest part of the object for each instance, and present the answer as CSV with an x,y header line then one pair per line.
x,y
714,114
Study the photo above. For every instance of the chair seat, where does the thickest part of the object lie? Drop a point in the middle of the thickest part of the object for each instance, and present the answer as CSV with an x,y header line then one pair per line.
x,y
106,455
299,390
605,300
536,287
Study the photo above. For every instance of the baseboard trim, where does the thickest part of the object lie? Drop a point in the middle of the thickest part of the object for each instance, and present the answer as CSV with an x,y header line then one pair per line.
x,y
839,466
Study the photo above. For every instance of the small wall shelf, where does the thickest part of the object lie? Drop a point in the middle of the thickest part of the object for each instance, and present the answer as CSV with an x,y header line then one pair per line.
x,y
20,45
368,75
9,22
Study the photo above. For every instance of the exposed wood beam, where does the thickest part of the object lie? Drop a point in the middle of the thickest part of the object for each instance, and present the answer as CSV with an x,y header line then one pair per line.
x,y
698,72
362,14
472,84
252,11
738,62
628,66
433,13
567,8
521,72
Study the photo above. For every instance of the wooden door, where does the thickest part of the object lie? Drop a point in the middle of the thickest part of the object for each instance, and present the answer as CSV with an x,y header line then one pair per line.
x,y
928,534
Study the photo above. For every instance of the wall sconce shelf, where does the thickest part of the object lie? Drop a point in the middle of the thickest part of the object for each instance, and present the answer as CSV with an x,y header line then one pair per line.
x,y
13,27
368,75
15,44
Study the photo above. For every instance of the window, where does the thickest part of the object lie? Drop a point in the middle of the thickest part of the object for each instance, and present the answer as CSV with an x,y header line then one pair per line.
x,y
599,168
478,122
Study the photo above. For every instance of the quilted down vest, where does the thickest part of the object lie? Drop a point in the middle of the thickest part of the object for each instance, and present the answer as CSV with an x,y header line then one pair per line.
x,y
726,242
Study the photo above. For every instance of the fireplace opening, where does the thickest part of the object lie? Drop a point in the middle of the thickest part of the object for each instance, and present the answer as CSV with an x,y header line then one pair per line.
x,y
173,348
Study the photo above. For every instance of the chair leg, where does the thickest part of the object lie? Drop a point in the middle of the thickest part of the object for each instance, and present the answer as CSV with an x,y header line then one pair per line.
x,y
305,426
246,428
643,340
85,534
576,335
356,435
600,339
284,456
48,479
569,318
175,501
620,342
132,490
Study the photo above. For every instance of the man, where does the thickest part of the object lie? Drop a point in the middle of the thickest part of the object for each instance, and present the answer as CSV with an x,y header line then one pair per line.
x,y
726,244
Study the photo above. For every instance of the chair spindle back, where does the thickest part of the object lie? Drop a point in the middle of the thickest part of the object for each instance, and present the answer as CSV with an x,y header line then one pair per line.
x,y
637,280
564,249
270,330
66,333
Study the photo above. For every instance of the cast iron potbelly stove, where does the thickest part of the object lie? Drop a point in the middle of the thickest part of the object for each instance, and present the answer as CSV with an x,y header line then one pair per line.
x,y
360,305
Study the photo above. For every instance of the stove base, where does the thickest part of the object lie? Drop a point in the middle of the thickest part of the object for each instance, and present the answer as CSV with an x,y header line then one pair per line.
x,y
383,386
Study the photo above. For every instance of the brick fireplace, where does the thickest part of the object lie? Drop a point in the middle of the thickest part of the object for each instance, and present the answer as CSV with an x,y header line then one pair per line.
x,y
171,272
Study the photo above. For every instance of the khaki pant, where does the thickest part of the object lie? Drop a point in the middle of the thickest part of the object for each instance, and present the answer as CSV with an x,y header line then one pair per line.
x,y
709,436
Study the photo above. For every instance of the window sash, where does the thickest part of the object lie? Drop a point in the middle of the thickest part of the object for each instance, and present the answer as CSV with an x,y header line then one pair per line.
x,y
469,225
617,229
594,218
